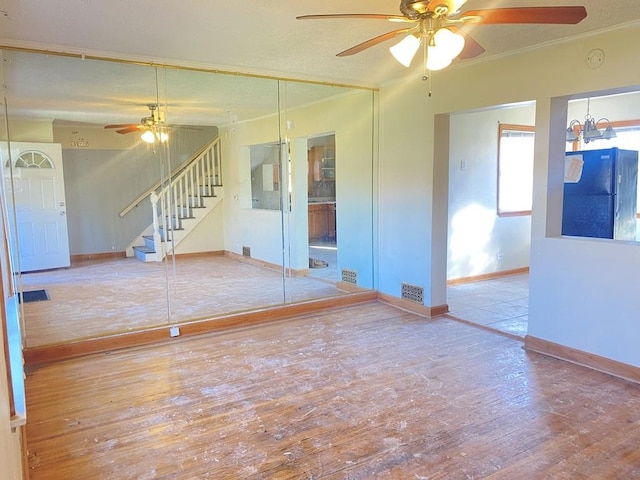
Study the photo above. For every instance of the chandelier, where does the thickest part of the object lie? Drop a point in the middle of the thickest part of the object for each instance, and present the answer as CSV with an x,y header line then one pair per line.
x,y
591,129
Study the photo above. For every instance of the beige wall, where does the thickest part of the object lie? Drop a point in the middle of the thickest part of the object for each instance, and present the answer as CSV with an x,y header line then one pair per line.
x,y
23,130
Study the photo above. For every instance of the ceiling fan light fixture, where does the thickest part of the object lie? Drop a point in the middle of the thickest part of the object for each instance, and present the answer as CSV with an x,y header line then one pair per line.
x,y
405,49
148,137
437,59
451,43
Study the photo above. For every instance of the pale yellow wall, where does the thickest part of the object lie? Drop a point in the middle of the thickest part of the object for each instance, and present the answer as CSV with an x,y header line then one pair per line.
x,y
94,138
29,130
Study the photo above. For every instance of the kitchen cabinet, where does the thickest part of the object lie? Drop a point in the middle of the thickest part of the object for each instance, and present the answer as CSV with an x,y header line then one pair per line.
x,y
331,221
322,165
322,221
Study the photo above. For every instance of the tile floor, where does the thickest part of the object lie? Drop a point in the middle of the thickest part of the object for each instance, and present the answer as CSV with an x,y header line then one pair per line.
x,y
328,252
501,304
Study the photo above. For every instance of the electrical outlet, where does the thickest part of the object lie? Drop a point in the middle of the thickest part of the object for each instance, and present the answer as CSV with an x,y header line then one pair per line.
x,y
174,331
500,256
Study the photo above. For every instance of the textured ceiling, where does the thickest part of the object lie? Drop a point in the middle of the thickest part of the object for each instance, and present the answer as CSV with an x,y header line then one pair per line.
x,y
264,36
259,37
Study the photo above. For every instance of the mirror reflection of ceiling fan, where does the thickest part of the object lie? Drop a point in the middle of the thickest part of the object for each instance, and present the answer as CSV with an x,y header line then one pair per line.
x,y
152,127
435,26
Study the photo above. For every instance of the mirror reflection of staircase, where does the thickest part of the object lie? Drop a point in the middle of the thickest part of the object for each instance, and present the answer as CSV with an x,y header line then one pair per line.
x,y
179,204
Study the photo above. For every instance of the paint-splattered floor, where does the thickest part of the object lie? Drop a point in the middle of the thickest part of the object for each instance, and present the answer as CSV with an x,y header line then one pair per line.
x,y
362,392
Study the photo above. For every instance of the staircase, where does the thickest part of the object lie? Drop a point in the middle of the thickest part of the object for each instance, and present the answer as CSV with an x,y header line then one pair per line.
x,y
180,204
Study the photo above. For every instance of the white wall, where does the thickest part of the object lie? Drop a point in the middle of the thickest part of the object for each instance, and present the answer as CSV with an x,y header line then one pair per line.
x,y
408,230
209,234
481,242
406,185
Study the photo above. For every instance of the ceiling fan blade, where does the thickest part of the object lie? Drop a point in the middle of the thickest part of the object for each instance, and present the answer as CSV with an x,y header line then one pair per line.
x,y
373,41
123,125
373,16
543,15
129,129
471,48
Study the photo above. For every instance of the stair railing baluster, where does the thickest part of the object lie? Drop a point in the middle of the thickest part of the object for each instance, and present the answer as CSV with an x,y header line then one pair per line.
x,y
175,199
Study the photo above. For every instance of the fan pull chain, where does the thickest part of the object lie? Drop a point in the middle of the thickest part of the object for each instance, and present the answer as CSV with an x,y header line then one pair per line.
x,y
426,77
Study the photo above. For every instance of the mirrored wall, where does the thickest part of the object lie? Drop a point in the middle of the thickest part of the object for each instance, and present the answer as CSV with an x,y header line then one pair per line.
x,y
141,196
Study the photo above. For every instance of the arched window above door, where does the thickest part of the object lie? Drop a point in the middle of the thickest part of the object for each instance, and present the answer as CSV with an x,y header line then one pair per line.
x,y
32,159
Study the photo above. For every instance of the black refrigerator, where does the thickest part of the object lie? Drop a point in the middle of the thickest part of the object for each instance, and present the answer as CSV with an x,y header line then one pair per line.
x,y
600,194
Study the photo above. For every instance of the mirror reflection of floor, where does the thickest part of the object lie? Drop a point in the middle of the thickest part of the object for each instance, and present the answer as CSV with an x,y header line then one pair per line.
x,y
500,304
325,251
109,296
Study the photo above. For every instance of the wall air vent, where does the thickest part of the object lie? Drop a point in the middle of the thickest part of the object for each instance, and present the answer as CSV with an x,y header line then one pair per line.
x,y
349,276
413,293
246,251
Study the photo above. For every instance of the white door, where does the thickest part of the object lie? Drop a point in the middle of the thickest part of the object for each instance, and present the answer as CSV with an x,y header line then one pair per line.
x,y
38,196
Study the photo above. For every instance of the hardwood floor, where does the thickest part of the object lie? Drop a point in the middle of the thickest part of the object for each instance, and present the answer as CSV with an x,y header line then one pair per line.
x,y
363,392
105,297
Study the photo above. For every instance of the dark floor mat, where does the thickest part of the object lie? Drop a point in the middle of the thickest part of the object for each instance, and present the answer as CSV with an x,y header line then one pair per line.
x,y
33,296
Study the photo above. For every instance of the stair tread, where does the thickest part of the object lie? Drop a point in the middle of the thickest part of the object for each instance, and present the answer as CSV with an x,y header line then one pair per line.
x,y
144,249
191,202
150,237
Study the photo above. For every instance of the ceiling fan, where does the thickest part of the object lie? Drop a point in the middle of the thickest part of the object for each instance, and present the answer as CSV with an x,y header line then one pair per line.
x,y
146,123
435,25
153,127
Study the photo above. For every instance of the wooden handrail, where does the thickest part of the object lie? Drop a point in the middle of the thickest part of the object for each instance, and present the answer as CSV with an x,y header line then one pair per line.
x,y
185,191
176,171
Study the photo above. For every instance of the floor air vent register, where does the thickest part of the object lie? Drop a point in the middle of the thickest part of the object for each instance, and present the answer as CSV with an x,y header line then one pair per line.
x,y
413,293
349,276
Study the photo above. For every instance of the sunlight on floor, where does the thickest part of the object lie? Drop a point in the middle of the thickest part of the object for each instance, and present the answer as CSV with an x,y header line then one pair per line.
x,y
501,304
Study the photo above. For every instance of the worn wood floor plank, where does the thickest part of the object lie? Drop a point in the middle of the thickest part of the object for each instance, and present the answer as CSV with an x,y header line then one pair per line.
x,y
119,295
363,392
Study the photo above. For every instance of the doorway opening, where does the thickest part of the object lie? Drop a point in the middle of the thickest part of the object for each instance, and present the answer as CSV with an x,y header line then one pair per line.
x,y
321,187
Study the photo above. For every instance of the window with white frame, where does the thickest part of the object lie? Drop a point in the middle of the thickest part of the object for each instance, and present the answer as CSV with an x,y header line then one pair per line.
x,y
515,169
